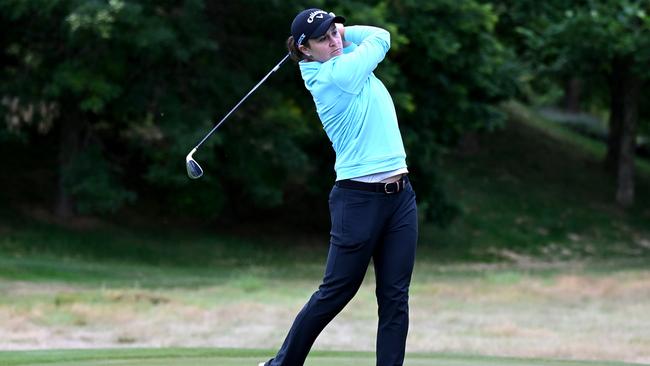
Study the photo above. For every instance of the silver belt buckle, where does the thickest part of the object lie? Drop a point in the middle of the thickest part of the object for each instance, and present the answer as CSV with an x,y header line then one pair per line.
x,y
397,187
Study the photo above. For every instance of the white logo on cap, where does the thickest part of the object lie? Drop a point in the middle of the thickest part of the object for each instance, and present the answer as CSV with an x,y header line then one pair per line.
x,y
316,14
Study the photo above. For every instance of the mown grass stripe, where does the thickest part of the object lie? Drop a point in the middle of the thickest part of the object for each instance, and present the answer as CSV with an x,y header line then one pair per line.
x,y
226,357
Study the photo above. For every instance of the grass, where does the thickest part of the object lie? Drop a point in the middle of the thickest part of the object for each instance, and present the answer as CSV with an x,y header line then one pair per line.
x,y
489,309
540,254
237,357
538,189
43,252
582,143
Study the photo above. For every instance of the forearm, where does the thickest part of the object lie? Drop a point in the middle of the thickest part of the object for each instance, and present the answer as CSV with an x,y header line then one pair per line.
x,y
341,29
355,65
358,33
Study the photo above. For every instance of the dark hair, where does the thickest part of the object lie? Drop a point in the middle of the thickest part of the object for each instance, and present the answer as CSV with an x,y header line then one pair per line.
x,y
295,53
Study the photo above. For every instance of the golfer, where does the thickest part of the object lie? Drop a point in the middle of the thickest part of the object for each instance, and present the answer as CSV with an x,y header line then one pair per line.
x,y
372,204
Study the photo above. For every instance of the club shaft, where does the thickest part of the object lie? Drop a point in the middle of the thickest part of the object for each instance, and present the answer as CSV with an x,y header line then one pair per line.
x,y
274,69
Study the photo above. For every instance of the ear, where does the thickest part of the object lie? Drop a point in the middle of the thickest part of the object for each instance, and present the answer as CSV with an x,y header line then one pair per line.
x,y
305,50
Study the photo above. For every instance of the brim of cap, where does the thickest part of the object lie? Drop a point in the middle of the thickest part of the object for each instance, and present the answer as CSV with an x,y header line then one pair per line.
x,y
324,26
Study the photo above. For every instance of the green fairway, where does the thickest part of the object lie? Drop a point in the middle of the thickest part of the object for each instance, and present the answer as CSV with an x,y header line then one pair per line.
x,y
241,357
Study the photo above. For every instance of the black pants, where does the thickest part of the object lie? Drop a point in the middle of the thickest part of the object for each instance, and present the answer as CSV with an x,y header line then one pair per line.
x,y
365,225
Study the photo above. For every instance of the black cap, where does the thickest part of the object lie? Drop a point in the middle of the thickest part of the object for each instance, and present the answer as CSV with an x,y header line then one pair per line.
x,y
312,23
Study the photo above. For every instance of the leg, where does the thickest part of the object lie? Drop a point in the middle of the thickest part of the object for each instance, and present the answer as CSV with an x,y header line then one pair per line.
x,y
352,244
394,259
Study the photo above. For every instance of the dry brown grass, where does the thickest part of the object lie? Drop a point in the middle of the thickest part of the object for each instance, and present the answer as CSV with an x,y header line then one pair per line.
x,y
569,314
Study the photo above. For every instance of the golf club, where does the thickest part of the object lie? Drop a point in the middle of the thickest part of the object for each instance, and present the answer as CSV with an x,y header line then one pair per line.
x,y
194,170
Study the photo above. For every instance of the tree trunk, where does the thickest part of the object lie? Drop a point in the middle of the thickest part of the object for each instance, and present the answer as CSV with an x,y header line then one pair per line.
x,y
69,137
616,112
572,95
625,120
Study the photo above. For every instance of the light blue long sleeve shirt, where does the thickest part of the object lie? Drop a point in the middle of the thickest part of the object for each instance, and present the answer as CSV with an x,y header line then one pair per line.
x,y
355,107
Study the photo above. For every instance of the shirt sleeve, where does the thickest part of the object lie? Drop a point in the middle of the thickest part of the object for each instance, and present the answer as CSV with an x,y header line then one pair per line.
x,y
351,70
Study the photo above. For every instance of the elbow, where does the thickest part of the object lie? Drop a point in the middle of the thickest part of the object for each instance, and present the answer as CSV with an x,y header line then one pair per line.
x,y
387,40
385,36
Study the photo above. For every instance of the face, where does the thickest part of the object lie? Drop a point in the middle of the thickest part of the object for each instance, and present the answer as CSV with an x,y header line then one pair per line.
x,y
324,47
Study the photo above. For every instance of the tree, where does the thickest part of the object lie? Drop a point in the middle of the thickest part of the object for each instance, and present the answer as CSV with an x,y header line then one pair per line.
x,y
454,72
517,19
608,38
126,88
106,72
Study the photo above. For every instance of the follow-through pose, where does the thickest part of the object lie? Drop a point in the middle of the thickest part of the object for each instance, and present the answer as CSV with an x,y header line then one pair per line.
x,y
372,204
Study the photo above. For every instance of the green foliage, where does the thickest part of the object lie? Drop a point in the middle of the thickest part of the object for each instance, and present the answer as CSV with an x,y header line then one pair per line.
x,y
560,40
454,65
519,25
615,29
148,79
454,69
117,67
89,180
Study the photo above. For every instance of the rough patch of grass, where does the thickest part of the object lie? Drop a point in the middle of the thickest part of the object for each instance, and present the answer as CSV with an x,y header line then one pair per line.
x,y
533,309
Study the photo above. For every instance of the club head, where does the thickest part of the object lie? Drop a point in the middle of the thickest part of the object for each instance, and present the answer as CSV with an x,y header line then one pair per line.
x,y
194,170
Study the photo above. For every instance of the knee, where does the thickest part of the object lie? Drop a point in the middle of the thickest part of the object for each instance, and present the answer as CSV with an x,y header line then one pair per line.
x,y
392,295
337,294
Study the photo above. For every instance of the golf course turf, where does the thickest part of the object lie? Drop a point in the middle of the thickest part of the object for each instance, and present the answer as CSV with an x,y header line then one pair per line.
x,y
242,357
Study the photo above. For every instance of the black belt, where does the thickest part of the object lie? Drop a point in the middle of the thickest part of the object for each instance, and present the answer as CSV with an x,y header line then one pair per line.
x,y
386,188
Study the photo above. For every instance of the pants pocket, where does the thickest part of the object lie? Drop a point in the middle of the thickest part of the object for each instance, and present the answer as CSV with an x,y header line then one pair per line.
x,y
354,216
